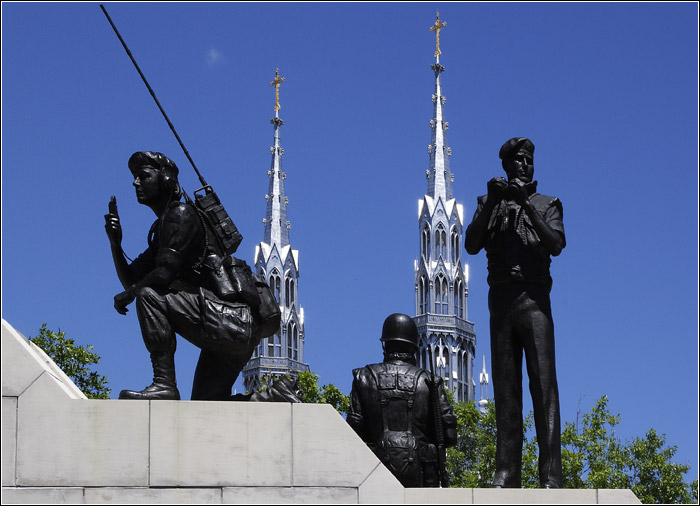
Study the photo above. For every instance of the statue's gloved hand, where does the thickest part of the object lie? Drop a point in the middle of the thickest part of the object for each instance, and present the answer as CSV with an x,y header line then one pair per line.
x,y
112,225
121,300
517,190
496,188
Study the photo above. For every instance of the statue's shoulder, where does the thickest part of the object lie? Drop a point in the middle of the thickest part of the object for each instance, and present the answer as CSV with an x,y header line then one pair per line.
x,y
362,371
423,375
366,375
179,212
544,201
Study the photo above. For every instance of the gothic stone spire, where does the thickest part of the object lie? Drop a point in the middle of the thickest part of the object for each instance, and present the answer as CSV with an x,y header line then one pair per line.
x,y
276,261
446,336
276,224
438,173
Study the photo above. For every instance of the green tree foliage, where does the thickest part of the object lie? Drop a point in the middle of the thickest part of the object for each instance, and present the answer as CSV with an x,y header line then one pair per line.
x,y
592,456
74,361
472,462
309,391
530,477
654,478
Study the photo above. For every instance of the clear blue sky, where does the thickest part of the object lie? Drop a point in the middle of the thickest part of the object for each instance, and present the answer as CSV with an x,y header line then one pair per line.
x,y
607,92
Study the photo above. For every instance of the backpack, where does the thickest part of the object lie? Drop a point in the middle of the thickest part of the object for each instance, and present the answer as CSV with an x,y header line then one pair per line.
x,y
399,450
239,283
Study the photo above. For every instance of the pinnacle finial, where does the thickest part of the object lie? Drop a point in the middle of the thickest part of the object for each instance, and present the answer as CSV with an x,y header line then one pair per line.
x,y
276,83
436,28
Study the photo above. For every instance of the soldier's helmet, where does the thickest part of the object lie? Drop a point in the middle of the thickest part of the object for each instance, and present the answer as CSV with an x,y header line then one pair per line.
x,y
400,327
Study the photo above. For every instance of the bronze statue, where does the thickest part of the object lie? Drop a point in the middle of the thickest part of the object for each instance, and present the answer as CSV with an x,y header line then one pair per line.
x,y
184,283
520,230
397,408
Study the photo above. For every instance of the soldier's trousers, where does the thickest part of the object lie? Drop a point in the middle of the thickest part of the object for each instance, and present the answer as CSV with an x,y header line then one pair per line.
x,y
521,321
223,331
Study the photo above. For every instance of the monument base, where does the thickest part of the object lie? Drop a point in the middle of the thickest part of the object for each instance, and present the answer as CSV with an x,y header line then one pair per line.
x,y
304,495
60,447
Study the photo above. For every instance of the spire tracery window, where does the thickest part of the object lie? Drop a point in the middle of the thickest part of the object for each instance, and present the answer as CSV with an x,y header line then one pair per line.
x,y
444,296
438,296
433,350
465,363
459,298
441,294
459,366
426,358
425,242
295,342
274,346
278,345
440,242
275,284
446,362
423,295
288,291
455,245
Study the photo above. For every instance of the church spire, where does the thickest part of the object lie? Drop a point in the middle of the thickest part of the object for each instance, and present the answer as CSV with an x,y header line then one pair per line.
x,y
276,224
446,336
438,173
484,381
278,264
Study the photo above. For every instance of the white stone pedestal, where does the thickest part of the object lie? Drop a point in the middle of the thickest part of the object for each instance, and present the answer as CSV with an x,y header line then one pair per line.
x,y
60,447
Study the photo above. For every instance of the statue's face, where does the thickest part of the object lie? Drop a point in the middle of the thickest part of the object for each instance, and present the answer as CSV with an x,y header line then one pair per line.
x,y
147,184
519,166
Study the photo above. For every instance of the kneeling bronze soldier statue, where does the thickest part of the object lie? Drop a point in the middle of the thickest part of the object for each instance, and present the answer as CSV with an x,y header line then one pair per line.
x,y
183,283
401,411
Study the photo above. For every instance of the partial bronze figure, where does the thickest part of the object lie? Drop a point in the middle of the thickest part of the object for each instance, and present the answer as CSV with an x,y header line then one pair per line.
x,y
521,230
398,408
185,283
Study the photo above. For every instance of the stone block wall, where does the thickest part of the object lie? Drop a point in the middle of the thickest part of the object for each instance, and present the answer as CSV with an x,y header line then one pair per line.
x,y
60,447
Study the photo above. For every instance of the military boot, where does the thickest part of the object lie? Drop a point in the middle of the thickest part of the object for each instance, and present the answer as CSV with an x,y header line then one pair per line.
x,y
164,386
282,389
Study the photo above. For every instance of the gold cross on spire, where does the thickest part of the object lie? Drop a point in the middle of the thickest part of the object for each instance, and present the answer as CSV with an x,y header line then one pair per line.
x,y
436,28
276,83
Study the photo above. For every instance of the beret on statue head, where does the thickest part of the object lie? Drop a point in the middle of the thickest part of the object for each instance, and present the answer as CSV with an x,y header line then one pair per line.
x,y
156,160
512,146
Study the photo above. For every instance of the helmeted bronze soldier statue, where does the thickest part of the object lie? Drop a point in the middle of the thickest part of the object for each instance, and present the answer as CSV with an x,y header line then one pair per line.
x,y
397,409
520,230
181,285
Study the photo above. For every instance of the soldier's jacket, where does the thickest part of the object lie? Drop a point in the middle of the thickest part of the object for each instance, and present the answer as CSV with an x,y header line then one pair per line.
x,y
390,407
513,248
180,237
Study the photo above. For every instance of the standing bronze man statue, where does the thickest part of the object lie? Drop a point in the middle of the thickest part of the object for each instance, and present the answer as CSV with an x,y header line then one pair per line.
x,y
401,411
520,230
183,283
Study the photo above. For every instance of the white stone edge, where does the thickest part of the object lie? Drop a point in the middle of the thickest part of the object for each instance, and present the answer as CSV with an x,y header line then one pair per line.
x,y
44,361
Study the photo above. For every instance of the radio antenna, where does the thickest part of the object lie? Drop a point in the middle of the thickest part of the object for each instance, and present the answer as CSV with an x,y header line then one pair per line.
x,y
201,179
